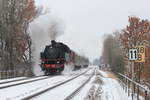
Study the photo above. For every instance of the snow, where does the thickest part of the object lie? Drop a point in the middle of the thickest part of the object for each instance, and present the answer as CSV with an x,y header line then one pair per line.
x,y
11,79
20,91
26,89
82,94
68,68
141,86
62,92
112,89
1,85
106,88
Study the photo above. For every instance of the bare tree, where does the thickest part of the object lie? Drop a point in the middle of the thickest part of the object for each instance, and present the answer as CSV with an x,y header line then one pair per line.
x,y
112,54
15,40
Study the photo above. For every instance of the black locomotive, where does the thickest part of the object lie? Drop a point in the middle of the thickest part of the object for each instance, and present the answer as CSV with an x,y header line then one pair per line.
x,y
53,58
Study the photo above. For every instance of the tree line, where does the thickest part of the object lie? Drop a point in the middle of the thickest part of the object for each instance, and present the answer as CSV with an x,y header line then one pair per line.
x,y
117,45
15,42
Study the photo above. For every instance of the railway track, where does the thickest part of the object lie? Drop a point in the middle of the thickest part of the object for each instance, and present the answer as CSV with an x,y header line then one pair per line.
x,y
69,97
20,82
52,87
15,80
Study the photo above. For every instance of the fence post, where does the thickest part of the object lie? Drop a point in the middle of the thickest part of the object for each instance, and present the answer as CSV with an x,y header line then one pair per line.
x,y
145,95
0,74
128,88
137,92
126,84
5,74
8,74
11,73
123,85
132,90
14,73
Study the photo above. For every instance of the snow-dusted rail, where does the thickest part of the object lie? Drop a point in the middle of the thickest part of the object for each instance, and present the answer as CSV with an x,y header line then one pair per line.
x,y
19,79
20,82
53,87
79,88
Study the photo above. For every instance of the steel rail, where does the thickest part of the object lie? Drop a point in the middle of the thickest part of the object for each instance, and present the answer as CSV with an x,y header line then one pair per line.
x,y
79,88
52,87
27,81
15,80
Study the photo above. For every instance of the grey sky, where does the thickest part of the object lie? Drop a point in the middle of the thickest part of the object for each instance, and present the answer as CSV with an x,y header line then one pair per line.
x,y
87,20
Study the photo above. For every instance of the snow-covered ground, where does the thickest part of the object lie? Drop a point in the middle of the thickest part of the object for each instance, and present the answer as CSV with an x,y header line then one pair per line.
x,y
112,90
83,93
17,92
100,87
16,82
61,92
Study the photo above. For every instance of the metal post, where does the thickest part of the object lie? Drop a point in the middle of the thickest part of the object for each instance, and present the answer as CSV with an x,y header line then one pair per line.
x,y
126,84
0,74
14,74
7,74
137,92
123,84
132,90
145,95
132,95
128,88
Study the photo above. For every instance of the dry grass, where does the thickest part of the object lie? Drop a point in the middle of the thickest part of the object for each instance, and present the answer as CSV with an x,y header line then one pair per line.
x,y
111,75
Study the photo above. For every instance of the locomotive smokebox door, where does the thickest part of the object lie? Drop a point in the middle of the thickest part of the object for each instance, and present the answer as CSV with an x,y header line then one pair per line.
x,y
42,55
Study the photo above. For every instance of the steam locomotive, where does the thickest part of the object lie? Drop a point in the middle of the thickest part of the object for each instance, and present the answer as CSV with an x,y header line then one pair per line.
x,y
54,57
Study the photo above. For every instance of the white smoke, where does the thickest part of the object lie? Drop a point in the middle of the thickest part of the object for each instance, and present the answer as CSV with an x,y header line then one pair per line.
x,y
55,28
43,30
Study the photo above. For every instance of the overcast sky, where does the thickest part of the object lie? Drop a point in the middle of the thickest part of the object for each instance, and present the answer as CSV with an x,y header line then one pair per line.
x,y
86,21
